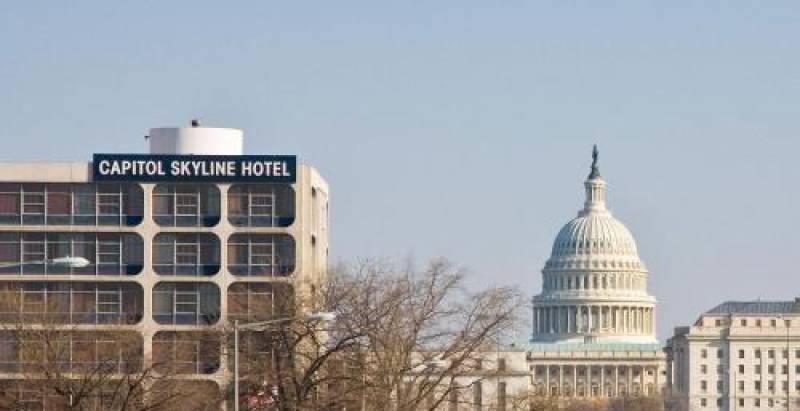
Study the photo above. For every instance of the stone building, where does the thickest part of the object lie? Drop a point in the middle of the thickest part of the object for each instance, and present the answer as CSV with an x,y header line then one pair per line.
x,y
740,355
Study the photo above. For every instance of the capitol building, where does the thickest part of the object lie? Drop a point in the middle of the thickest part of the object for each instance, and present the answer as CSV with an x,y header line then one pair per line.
x,y
593,324
594,321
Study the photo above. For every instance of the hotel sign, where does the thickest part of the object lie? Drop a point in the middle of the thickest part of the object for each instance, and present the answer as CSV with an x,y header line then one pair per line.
x,y
194,168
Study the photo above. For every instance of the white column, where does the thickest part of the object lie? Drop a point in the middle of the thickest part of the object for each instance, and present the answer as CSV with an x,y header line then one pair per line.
x,y
574,380
547,380
560,380
588,384
602,380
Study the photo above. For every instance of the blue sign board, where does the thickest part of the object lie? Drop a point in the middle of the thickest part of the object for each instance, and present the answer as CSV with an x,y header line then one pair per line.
x,y
194,168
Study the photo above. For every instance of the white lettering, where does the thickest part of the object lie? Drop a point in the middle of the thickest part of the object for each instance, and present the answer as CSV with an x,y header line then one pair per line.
x,y
103,167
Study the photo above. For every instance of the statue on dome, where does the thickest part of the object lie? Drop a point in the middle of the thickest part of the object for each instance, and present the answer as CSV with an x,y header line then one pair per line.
x,y
595,171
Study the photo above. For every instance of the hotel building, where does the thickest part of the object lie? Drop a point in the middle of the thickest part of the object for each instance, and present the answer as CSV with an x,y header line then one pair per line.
x,y
168,259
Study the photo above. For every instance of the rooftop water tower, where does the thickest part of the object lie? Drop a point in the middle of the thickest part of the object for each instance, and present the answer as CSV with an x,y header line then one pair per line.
x,y
196,140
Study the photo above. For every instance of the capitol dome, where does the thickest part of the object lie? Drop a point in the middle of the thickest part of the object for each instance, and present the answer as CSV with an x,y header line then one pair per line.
x,y
594,285
594,236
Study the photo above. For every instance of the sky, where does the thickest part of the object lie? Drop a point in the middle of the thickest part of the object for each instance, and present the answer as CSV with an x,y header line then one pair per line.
x,y
458,129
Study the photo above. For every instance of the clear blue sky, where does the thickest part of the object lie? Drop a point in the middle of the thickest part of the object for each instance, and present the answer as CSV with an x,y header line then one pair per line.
x,y
457,128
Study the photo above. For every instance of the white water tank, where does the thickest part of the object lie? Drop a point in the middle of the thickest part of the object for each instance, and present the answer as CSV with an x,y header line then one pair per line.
x,y
196,140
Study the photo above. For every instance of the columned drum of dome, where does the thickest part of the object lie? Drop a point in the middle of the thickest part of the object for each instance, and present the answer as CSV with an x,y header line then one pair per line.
x,y
594,284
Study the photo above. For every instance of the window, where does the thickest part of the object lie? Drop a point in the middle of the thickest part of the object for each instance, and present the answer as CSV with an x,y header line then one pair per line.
x,y
784,369
770,353
757,385
501,395
741,385
703,353
186,205
741,353
758,369
757,402
770,369
477,395
703,385
261,255
719,387
258,302
186,352
741,368
501,364
107,253
261,205
703,402
71,302
773,323
743,322
703,369
186,303
186,254
758,353
719,353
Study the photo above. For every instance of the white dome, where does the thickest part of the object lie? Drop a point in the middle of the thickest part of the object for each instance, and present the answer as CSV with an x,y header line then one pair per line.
x,y
594,239
594,287
592,234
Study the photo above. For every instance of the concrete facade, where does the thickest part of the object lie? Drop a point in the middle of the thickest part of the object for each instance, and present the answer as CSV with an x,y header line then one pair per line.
x,y
174,243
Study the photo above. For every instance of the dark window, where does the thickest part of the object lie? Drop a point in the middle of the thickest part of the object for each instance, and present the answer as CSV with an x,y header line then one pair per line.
x,y
186,303
186,254
261,205
261,254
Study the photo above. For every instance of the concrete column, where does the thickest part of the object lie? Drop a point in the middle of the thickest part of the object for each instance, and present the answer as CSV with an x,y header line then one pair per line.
x,y
602,380
641,381
616,380
588,383
630,380
574,380
655,381
547,380
560,380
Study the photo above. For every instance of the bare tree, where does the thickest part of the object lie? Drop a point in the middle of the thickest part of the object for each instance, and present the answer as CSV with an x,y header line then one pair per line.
x,y
51,363
404,338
